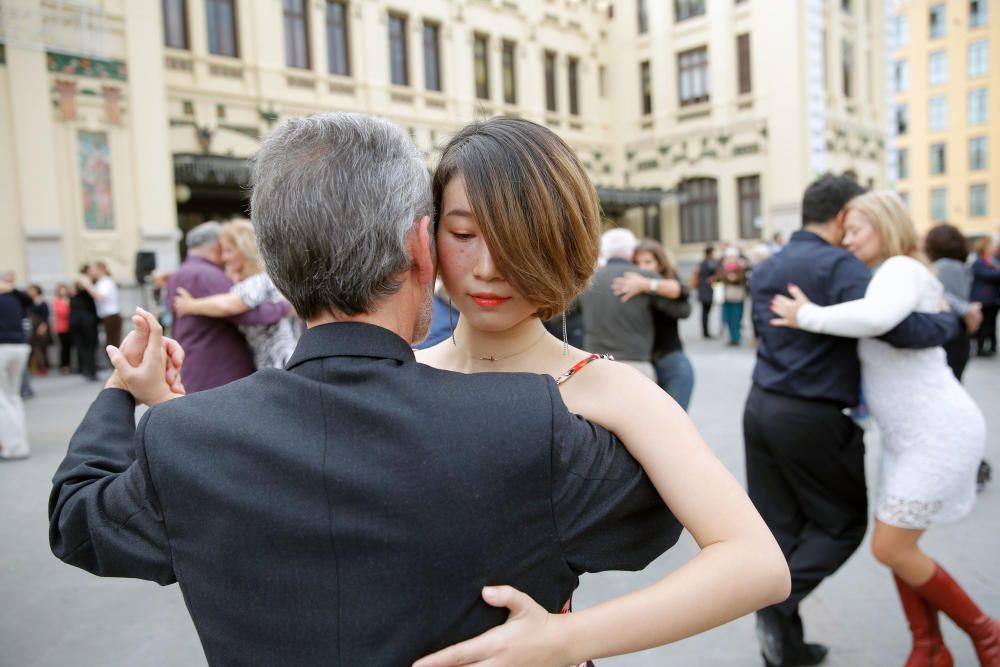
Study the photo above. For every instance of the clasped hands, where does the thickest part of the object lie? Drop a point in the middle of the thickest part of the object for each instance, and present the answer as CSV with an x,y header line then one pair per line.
x,y
147,364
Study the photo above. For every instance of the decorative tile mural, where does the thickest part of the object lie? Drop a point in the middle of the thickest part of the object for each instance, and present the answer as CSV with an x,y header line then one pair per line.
x,y
95,180
66,63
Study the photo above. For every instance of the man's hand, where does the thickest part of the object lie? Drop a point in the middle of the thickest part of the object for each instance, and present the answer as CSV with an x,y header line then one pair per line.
x,y
633,284
147,365
531,636
974,317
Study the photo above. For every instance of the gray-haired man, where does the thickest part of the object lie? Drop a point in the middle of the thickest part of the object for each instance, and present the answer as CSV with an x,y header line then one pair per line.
x,y
348,510
217,353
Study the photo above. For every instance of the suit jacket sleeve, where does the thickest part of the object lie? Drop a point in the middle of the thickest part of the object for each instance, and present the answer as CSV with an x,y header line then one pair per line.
x,y
104,516
608,514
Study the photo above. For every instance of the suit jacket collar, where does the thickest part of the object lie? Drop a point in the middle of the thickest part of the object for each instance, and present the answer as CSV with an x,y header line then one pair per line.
x,y
349,339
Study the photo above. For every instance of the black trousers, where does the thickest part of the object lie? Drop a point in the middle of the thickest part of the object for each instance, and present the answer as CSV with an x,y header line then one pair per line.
x,y
986,337
806,476
85,341
65,349
706,308
957,352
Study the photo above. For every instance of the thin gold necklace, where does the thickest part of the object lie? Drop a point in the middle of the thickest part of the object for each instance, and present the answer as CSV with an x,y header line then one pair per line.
x,y
491,358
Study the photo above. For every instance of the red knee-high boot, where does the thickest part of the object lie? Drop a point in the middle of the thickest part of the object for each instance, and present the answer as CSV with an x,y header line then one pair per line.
x,y
928,644
944,593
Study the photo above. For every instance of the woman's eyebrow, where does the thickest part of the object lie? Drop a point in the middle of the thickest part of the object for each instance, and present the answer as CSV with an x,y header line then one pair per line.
x,y
461,212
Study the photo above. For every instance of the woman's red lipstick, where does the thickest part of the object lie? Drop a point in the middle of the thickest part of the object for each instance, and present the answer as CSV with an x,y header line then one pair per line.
x,y
489,300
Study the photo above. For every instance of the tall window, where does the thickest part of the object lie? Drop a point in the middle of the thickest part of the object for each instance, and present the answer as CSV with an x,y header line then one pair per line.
x,y
937,68
220,16
338,60
977,13
977,106
845,6
550,81
903,163
938,116
508,56
602,81
686,9
979,58
296,33
902,119
977,154
901,75
573,75
692,76
175,23
847,66
748,188
937,18
480,53
744,82
699,211
901,31
977,200
432,56
937,159
939,204
642,6
399,67
645,88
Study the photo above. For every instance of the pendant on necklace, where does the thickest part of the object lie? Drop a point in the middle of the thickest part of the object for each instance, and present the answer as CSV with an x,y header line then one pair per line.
x,y
489,358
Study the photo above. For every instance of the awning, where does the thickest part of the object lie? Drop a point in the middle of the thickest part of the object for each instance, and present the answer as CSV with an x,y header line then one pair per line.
x,y
616,201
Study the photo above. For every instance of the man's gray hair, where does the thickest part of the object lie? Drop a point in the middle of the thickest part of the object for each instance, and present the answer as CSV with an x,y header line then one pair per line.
x,y
618,243
334,197
206,232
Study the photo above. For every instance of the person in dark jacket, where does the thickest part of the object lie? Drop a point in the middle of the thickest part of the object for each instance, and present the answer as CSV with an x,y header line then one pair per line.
x,y
946,247
705,276
986,290
83,322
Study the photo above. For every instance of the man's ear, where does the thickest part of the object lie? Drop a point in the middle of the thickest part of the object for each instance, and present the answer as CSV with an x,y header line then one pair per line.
x,y
420,251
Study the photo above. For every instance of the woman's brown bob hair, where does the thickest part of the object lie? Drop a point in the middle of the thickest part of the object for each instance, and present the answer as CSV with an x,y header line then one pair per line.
x,y
535,205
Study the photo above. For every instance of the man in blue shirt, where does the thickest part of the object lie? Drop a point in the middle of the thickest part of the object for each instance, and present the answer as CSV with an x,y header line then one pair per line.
x,y
804,455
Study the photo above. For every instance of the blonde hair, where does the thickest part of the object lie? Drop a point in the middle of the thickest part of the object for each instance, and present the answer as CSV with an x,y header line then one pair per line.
x,y
888,215
238,234
983,244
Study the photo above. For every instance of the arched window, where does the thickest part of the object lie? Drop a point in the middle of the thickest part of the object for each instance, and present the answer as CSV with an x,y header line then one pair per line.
x,y
699,210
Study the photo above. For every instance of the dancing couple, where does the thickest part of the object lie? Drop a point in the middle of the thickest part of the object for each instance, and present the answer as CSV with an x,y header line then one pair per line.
x,y
366,506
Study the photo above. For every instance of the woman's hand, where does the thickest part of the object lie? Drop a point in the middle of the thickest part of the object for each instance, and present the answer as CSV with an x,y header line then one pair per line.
x,y
147,364
974,317
184,303
787,309
531,636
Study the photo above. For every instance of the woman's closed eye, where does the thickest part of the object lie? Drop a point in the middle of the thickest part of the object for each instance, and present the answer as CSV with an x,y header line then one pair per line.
x,y
463,236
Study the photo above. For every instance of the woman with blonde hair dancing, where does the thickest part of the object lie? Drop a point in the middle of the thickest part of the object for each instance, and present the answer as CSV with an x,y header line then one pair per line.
x,y
933,434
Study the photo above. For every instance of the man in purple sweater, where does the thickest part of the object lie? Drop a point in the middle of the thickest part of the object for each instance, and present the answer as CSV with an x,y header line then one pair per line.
x,y
216,351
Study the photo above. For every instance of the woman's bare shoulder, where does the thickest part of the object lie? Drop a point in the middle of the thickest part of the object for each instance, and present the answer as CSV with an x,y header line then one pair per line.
x,y
433,356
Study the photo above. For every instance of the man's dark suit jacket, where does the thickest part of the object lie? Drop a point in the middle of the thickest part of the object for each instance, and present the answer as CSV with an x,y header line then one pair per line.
x,y
348,510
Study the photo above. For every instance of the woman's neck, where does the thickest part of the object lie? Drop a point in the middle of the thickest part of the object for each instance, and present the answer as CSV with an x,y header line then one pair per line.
x,y
516,348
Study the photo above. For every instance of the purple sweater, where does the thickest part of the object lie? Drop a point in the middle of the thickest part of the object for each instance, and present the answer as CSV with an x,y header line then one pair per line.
x,y
216,351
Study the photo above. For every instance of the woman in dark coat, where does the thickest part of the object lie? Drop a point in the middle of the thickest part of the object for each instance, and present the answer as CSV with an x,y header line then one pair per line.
x,y
986,290
83,326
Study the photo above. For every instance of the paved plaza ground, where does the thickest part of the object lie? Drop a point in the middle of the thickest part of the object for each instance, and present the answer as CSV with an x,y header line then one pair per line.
x,y
53,615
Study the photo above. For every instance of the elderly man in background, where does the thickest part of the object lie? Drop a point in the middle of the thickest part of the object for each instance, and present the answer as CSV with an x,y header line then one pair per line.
x,y
14,351
624,328
217,353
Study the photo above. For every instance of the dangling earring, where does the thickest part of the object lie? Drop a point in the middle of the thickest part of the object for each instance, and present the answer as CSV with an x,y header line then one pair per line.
x,y
451,322
565,336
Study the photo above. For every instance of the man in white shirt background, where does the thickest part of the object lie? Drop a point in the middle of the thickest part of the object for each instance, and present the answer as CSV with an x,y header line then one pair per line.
x,y
106,298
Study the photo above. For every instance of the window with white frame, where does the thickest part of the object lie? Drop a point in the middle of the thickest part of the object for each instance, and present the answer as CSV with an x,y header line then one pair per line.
x,y
938,113
979,56
977,13
939,204
937,68
977,200
901,31
937,19
903,163
902,119
937,159
977,153
692,76
901,75
977,106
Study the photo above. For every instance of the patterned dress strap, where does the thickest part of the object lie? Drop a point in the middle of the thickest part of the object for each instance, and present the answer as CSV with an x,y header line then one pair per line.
x,y
579,366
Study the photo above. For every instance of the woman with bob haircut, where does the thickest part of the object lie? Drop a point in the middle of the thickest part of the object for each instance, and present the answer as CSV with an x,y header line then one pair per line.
x,y
946,247
933,434
271,344
517,231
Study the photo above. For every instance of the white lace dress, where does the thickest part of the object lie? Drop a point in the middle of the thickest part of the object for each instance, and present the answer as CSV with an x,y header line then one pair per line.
x,y
933,433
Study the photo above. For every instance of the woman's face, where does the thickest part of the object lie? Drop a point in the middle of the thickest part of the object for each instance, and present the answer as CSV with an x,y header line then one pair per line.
x,y
62,291
485,299
647,261
231,258
861,238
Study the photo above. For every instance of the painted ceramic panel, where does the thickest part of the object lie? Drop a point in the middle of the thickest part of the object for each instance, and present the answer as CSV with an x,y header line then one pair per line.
x,y
95,180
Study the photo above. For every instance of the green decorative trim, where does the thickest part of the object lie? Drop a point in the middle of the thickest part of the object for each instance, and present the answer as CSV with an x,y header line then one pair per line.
x,y
598,155
269,117
252,132
3,54
187,106
181,122
629,154
746,149
220,111
646,165
664,149
65,63
607,169
723,139
89,92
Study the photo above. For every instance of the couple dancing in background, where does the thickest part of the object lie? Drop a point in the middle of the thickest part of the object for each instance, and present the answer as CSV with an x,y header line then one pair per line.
x,y
805,459
362,508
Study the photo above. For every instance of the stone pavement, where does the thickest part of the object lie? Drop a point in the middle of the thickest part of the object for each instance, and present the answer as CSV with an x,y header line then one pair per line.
x,y
52,614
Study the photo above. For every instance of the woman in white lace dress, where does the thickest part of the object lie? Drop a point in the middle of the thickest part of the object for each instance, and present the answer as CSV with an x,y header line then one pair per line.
x,y
271,344
933,434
